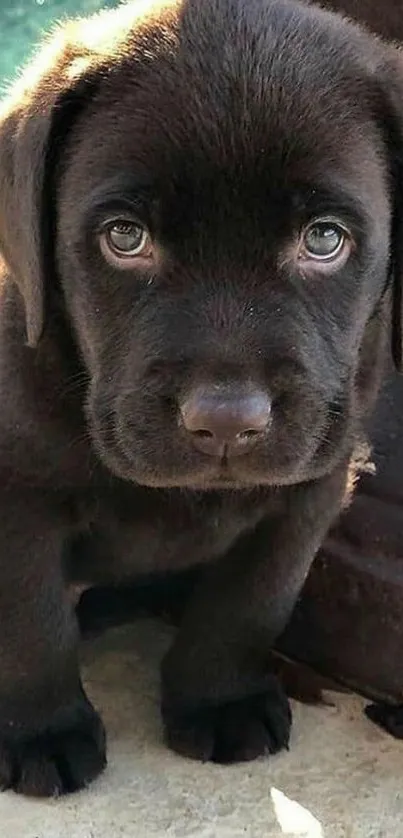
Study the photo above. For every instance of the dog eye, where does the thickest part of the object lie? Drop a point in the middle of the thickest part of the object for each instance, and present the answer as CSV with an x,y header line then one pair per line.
x,y
125,241
323,241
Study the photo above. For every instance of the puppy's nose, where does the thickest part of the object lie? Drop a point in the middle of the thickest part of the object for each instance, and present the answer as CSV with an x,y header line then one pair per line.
x,y
226,421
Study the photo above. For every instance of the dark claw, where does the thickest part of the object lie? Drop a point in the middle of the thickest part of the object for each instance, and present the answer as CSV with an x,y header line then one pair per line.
x,y
387,716
235,731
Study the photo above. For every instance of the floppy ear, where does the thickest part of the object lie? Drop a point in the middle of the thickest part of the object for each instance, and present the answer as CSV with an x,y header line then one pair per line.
x,y
397,287
394,124
34,122
391,76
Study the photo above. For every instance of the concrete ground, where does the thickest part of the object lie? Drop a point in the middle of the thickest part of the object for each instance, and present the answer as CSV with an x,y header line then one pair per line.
x,y
343,778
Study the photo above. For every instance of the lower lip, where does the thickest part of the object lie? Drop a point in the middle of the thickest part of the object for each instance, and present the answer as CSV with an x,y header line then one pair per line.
x,y
223,480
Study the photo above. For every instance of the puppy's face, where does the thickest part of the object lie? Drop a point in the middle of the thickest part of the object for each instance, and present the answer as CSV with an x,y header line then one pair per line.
x,y
223,241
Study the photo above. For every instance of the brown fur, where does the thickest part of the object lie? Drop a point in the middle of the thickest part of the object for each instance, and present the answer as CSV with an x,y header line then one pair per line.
x,y
230,124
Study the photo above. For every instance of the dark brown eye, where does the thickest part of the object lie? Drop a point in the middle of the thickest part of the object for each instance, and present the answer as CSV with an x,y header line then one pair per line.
x,y
126,238
126,243
323,241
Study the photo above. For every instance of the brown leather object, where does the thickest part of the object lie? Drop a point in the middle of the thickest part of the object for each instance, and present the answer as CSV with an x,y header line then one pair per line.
x,y
349,620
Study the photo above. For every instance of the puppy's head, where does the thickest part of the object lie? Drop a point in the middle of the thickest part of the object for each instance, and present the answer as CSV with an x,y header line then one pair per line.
x,y
213,186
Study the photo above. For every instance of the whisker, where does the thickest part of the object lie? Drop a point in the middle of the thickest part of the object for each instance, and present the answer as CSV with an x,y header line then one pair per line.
x,y
74,383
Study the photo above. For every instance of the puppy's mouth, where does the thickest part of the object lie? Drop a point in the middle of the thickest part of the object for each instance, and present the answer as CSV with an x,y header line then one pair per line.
x,y
296,458
209,474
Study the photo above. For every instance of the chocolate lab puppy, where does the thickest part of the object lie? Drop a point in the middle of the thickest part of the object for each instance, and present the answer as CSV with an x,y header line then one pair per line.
x,y
200,211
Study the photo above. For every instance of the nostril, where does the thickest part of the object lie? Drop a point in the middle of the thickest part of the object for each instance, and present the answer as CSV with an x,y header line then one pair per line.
x,y
250,433
225,418
203,434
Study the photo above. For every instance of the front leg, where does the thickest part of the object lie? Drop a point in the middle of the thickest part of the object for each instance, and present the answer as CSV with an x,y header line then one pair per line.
x,y
219,699
51,738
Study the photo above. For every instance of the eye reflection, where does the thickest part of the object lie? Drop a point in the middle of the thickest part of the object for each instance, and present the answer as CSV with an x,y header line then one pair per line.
x,y
323,240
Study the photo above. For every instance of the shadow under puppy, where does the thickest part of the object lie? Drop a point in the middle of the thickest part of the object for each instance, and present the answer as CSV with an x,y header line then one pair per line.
x,y
199,215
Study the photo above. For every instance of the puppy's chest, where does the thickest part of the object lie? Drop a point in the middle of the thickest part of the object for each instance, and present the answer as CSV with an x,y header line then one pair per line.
x,y
128,536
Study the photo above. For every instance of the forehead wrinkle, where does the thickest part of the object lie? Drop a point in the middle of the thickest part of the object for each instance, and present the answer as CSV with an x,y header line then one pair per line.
x,y
186,121
227,73
146,133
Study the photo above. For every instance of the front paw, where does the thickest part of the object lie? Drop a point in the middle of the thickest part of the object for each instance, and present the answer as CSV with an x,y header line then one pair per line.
x,y
235,731
387,716
62,758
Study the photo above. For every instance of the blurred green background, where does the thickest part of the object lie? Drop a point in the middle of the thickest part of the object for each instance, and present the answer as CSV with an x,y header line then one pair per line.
x,y
22,22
